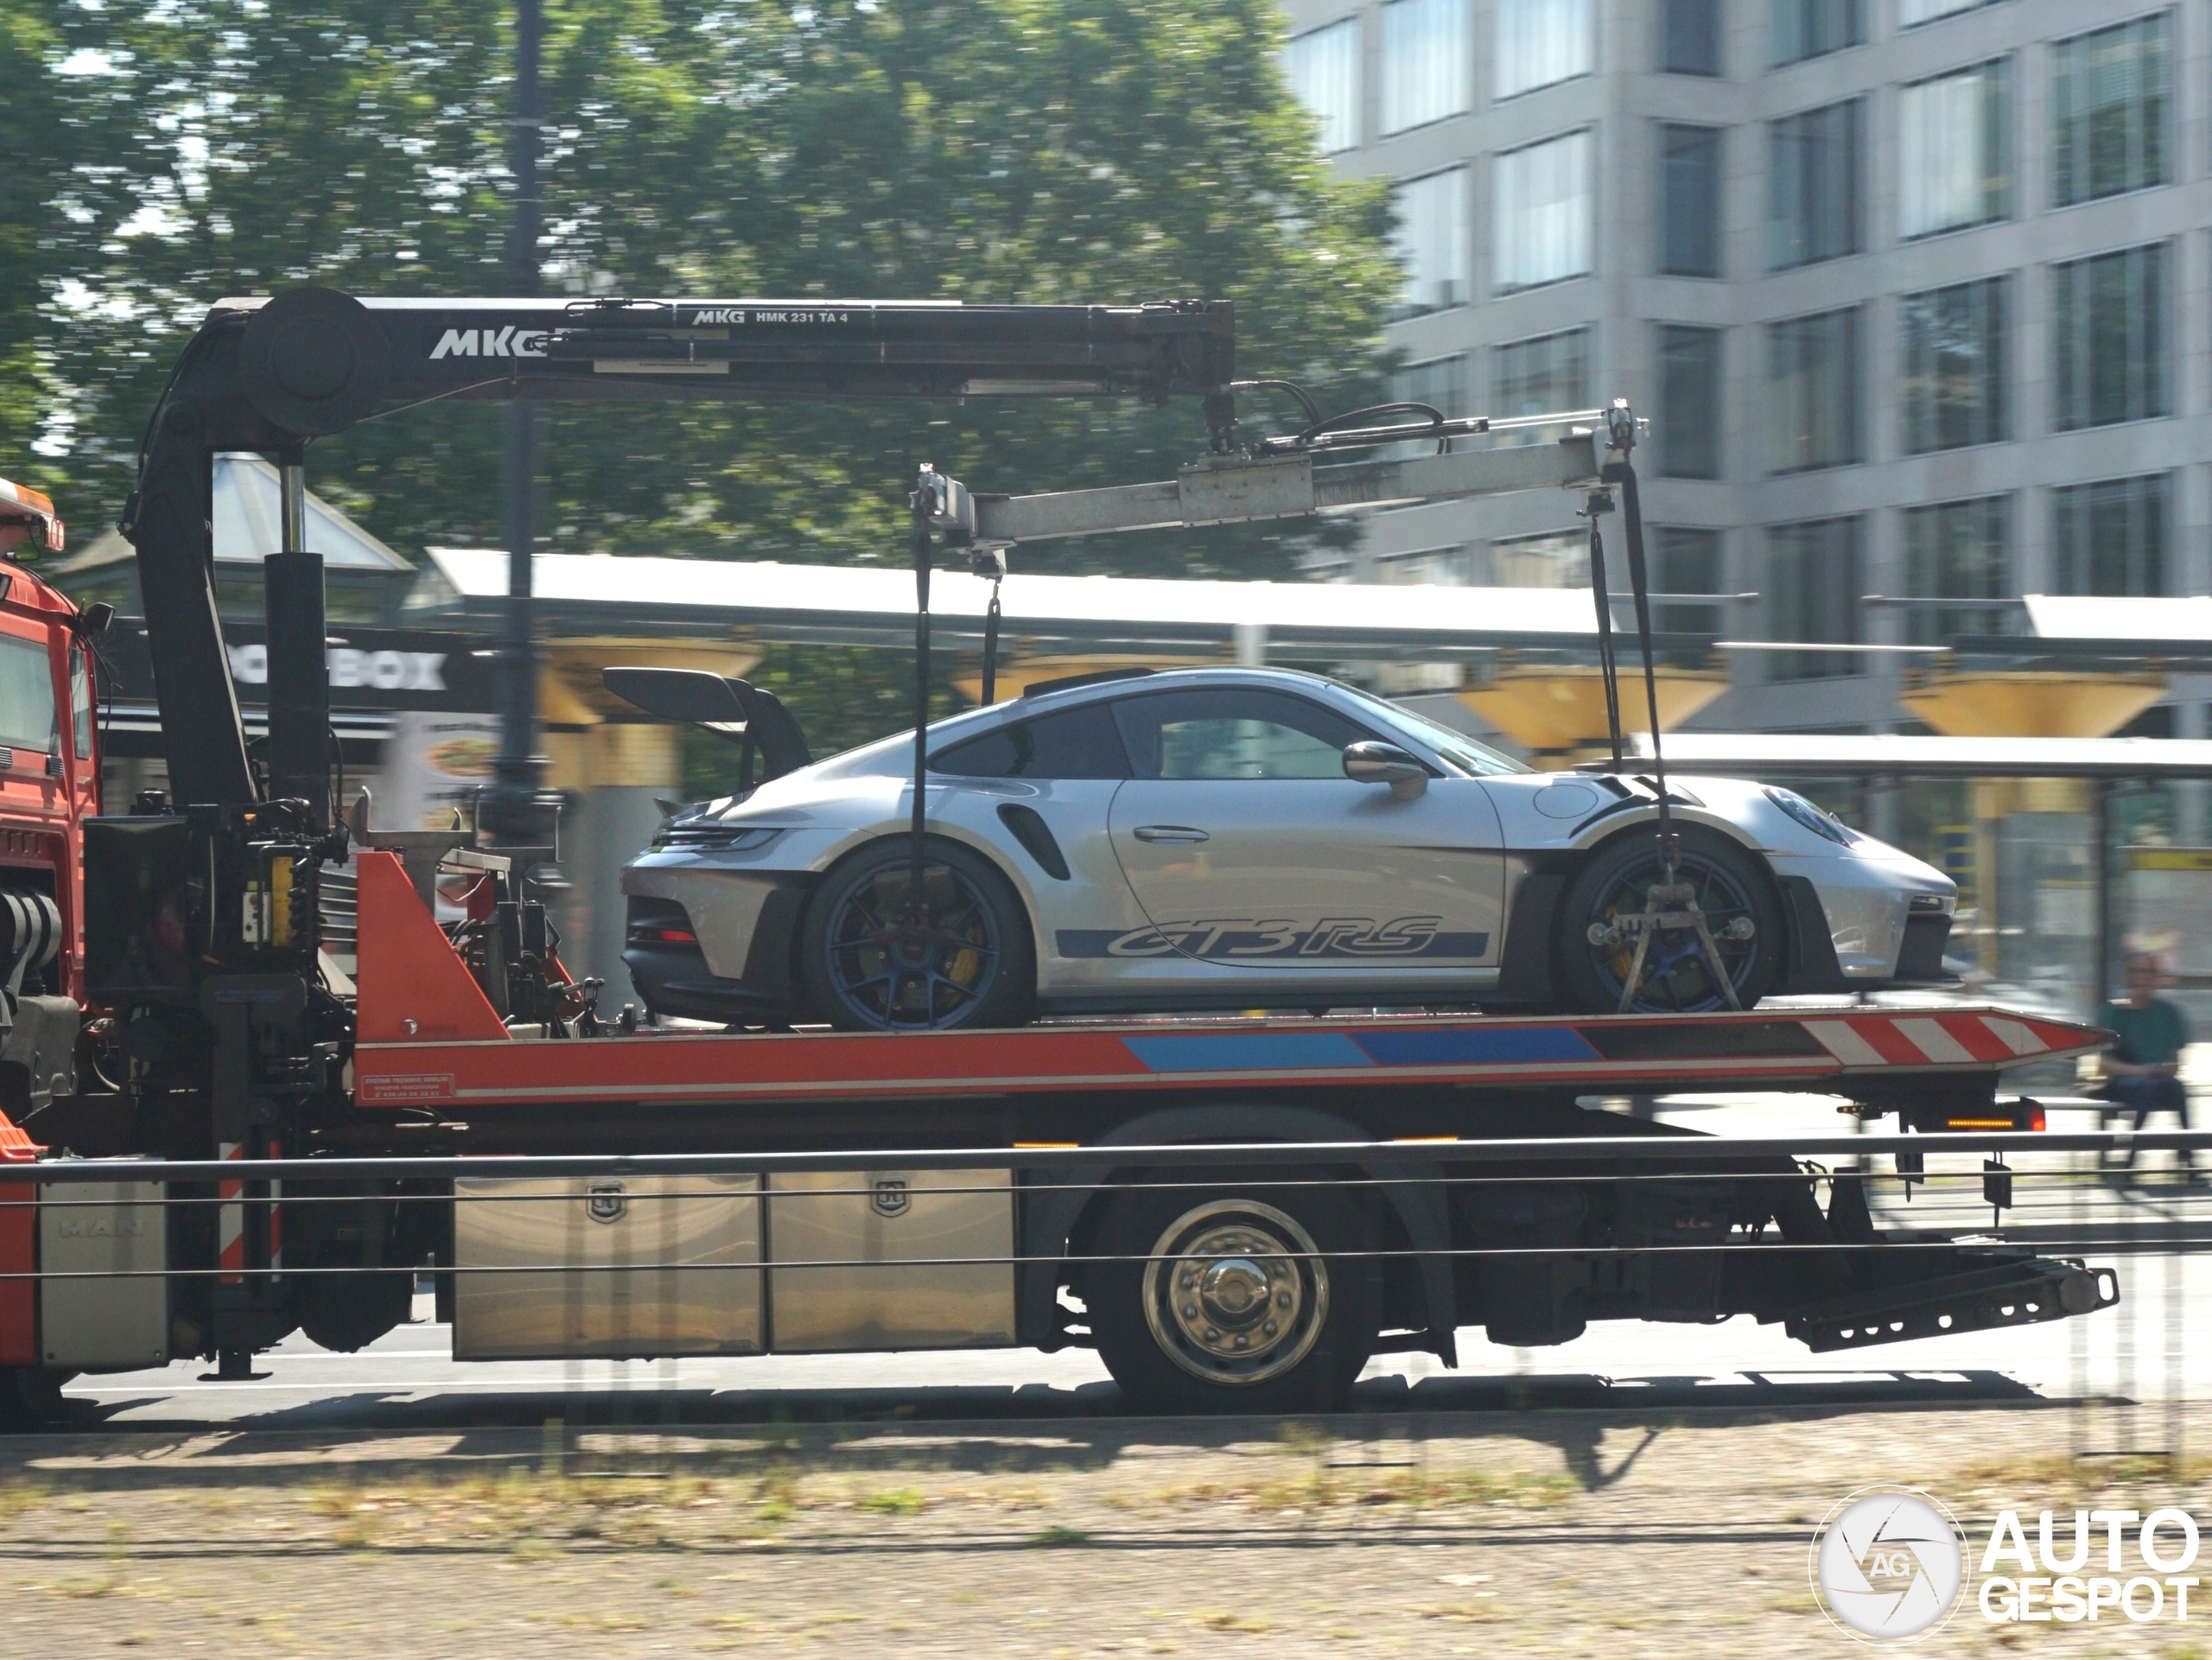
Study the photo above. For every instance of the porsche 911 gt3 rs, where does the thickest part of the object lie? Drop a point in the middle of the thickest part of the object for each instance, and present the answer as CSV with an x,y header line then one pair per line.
x,y
1237,839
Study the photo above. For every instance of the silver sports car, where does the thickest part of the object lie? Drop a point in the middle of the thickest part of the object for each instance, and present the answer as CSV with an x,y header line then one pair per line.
x,y
1231,838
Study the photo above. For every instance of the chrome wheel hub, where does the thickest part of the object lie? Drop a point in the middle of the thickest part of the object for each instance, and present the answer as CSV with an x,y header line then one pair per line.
x,y
1237,1292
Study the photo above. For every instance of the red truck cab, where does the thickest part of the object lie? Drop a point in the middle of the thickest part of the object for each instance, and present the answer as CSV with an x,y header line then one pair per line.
x,y
49,740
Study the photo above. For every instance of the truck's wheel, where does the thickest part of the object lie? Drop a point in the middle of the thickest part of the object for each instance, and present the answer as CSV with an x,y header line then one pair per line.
x,y
30,1399
1732,891
1246,1296
345,1313
870,961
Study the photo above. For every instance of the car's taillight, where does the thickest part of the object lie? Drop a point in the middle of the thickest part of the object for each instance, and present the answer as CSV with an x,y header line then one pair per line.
x,y
667,935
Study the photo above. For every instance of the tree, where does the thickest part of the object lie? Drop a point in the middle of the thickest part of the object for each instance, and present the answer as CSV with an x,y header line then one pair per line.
x,y
979,150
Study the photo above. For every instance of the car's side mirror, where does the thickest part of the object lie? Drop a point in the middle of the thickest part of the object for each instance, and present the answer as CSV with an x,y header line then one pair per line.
x,y
1385,763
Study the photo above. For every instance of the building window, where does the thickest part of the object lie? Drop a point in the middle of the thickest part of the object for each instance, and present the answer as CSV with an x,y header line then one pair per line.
x,y
1913,13
1809,29
1689,37
1545,376
1958,550
1540,41
1687,433
1440,383
1814,590
1555,559
1543,213
2111,101
1431,241
1428,59
1322,69
1954,149
2110,536
1812,383
1686,561
2111,339
1957,368
1813,185
1689,200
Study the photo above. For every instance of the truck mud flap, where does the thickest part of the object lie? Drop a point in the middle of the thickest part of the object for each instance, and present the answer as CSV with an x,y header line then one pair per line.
x,y
2023,1293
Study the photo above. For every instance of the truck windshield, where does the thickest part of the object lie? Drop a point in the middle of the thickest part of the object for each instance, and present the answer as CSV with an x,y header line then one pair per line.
x,y
27,712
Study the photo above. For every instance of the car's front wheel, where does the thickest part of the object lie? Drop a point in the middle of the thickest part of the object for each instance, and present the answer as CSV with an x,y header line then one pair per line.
x,y
876,953
1596,945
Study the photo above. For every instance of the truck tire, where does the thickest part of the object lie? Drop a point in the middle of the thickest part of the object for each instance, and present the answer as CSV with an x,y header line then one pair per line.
x,y
345,1313
1732,885
30,1399
974,964
1243,1295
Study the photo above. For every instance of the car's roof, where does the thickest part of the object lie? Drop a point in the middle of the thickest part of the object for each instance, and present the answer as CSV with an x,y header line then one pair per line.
x,y
1137,685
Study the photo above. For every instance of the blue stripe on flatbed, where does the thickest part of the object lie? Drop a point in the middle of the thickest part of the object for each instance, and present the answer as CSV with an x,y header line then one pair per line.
x,y
1249,1052
1477,1046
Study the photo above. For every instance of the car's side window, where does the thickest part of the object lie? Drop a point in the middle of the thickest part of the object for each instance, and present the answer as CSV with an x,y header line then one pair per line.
x,y
1225,732
1073,743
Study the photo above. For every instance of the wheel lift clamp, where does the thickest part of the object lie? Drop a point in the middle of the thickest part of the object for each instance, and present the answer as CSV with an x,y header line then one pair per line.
x,y
271,375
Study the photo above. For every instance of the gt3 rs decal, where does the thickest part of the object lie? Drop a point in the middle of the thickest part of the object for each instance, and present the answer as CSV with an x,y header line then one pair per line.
x,y
1278,939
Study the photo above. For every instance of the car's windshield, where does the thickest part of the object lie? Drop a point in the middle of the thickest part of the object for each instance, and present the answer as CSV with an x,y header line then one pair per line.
x,y
1455,747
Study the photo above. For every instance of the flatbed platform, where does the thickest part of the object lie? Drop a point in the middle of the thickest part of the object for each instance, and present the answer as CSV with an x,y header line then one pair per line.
x,y
1796,1050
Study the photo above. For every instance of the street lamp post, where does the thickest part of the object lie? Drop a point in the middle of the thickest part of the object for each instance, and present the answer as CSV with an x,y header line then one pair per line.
x,y
511,812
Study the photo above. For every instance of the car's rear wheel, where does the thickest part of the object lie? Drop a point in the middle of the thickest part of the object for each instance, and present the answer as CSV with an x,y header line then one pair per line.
x,y
877,954
1596,954
1241,1296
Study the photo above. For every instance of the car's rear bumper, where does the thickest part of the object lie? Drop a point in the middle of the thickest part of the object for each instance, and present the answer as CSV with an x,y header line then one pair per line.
x,y
676,976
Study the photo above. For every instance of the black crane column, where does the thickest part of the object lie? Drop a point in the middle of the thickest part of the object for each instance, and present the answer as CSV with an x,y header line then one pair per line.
x,y
298,678
511,810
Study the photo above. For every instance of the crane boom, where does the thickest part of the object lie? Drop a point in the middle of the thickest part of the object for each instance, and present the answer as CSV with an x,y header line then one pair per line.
x,y
269,375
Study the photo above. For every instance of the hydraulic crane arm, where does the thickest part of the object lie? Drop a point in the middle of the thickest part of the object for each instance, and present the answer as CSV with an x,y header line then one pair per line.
x,y
269,375
1227,490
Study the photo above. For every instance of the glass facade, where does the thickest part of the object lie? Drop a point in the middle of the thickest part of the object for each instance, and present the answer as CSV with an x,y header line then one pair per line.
x,y
1956,374
1958,550
2111,110
1428,63
1813,185
1322,69
1689,430
1537,377
2111,338
1815,576
1689,37
1809,28
1689,200
1430,241
1954,149
1813,398
1541,41
2110,536
1541,230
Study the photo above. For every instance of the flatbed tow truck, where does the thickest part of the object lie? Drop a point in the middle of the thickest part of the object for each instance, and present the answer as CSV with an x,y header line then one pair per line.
x,y
1235,1211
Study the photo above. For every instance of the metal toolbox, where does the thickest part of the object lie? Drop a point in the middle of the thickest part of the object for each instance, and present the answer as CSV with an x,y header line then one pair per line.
x,y
646,1265
890,1227
118,1228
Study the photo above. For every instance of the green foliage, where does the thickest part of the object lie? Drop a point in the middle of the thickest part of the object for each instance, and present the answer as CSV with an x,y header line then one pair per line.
x,y
1099,150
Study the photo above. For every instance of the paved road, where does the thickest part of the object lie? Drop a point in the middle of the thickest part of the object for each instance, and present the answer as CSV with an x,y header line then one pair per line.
x,y
2153,1347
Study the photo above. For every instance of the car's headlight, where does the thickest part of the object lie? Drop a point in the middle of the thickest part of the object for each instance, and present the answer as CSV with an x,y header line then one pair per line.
x,y
1818,820
710,837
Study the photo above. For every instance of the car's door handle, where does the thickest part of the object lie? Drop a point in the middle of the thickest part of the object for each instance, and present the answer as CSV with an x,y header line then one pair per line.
x,y
1168,833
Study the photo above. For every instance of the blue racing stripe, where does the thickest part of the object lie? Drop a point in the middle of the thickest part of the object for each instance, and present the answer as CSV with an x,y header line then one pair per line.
x,y
1249,1052
1497,1045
